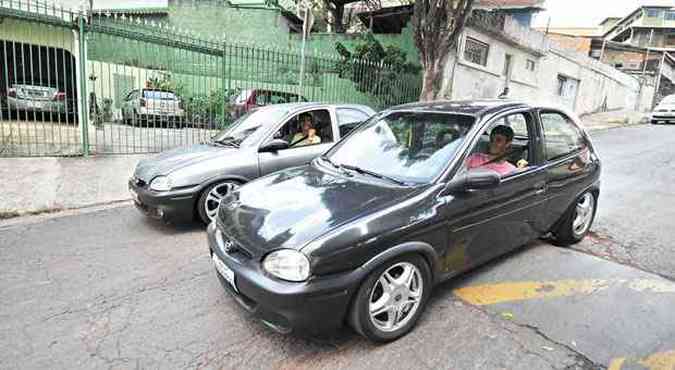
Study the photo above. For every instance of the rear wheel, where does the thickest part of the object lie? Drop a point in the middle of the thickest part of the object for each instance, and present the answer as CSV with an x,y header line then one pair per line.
x,y
392,298
207,205
577,220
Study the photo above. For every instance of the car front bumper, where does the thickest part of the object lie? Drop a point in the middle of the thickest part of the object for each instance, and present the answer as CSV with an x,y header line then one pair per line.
x,y
176,207
313,307
663,117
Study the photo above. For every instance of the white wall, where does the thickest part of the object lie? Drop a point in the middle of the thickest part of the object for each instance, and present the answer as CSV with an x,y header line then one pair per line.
x,y
600,86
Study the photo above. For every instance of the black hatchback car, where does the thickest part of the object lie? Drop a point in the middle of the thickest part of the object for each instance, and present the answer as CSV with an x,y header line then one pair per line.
x,y
416,195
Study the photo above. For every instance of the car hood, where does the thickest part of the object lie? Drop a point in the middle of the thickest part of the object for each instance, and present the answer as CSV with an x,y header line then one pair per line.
x,y
290,208
175,159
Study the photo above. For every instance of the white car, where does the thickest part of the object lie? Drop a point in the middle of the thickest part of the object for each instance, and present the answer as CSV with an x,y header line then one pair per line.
x,y
152,108
664,111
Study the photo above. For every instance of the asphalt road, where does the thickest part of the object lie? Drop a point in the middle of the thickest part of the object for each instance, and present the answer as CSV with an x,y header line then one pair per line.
x,y
112,289
635,224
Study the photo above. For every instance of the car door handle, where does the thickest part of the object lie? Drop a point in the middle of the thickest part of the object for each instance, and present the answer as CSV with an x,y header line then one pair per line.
x,y
540,191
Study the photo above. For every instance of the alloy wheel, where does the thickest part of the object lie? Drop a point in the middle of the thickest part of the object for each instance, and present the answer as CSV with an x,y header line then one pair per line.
x,y
396,297
215,195
584,214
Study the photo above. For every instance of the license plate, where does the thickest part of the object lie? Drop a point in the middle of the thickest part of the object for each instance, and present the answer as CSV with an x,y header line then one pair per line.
x,y
134,195
224,271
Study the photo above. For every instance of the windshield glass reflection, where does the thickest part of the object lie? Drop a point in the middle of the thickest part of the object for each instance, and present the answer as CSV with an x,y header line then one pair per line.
x,y
406,146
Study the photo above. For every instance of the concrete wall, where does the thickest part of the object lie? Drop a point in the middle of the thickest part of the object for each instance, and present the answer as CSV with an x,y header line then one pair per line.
x,y
598,86
36,34
575,43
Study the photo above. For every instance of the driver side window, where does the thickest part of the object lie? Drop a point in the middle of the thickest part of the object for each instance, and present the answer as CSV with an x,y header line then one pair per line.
x,y
504,146
307,128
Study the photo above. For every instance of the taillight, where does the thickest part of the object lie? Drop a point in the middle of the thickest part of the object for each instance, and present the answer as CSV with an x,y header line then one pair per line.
x,y
59,96
12,93
142,102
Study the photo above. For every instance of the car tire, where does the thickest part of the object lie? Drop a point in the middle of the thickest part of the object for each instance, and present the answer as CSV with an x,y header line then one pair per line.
x,y
577,221
374,327
206,205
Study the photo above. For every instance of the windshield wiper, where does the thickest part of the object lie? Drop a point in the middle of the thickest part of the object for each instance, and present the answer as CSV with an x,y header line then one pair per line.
x,y
227,142
373,174
336,166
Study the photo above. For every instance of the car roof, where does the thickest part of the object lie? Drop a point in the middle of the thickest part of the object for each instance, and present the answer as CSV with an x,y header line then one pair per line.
x,y
310,105
475,108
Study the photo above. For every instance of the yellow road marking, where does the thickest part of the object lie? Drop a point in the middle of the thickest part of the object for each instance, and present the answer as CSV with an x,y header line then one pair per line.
x,y
616,364
487,294
660,361
657,361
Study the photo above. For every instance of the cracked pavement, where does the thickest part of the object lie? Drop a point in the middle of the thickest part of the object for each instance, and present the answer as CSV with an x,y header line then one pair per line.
x,y
79,293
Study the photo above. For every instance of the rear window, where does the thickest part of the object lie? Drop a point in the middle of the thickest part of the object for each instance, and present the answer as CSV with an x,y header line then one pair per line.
x,y
242,97
162,95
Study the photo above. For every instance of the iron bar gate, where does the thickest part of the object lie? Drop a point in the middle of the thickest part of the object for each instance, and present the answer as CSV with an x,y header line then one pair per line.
x,y
72,84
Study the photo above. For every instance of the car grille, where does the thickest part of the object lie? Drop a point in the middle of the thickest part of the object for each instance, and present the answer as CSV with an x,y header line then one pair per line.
x,y
231,247
138,182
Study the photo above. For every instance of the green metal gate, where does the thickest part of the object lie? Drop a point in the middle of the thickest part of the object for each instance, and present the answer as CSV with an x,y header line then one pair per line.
x,y
137,87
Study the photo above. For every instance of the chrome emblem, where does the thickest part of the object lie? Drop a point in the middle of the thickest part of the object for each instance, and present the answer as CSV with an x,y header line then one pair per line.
x,y
228,246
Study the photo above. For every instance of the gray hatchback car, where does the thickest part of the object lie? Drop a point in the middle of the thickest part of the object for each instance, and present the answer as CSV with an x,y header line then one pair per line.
x,y
182,183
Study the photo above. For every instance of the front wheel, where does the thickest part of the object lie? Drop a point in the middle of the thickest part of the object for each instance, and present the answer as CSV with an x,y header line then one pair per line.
x,y
207,205
392,298
577,221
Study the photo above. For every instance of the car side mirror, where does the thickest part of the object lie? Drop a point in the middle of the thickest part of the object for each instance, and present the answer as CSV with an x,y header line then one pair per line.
x,y
274,146
478,179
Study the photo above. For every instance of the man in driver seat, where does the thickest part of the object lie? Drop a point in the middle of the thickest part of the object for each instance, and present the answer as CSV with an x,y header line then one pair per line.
x,y
308,134
499,149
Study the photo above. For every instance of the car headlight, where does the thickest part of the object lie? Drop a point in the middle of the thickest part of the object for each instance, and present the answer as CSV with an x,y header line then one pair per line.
x,y
287,264
161,183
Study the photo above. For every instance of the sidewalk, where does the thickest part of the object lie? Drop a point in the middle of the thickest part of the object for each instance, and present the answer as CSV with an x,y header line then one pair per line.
x,y
613,119
34,185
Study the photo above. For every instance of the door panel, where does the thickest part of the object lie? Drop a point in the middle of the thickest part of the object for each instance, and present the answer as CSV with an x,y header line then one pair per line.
x,y
488,223
275,161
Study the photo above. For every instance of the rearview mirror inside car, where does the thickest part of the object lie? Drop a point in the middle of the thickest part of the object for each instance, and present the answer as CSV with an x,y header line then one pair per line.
x,y
274,145
476,179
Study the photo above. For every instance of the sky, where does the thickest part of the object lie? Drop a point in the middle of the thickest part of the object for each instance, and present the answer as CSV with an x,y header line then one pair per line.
x,y
588,13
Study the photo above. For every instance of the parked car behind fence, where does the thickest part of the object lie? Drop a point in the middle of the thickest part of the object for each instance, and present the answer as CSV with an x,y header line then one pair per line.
x,y
252,98
38,100
153,107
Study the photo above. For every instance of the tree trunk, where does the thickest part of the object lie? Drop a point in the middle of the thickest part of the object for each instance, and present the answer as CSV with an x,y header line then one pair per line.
x,y
432,79
338,15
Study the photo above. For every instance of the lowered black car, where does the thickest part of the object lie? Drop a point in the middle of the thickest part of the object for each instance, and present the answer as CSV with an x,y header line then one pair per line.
x,y
416,195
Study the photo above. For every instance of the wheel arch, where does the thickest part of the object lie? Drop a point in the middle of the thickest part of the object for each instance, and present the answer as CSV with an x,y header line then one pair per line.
x,y
206,184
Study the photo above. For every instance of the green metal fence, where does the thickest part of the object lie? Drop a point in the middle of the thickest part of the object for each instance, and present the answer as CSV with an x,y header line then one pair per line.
x,y
137,87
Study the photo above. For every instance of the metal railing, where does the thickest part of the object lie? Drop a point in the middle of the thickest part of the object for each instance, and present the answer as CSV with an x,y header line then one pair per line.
x,y
77,84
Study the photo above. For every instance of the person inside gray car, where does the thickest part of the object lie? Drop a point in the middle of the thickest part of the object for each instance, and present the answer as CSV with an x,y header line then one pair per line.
x,y
308,134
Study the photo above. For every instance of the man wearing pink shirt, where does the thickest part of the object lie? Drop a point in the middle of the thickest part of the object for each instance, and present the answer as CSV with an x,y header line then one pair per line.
x,y
500,143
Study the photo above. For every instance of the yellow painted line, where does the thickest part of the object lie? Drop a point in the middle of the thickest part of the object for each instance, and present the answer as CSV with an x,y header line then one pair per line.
x,y
488,294
660,361
616,364
657,361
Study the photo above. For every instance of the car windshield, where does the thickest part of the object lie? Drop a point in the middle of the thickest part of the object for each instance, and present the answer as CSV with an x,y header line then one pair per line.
x,y
247,129
404,146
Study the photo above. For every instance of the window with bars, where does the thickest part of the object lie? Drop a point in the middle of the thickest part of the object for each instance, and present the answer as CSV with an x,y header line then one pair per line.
x,y
475,51
530,65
